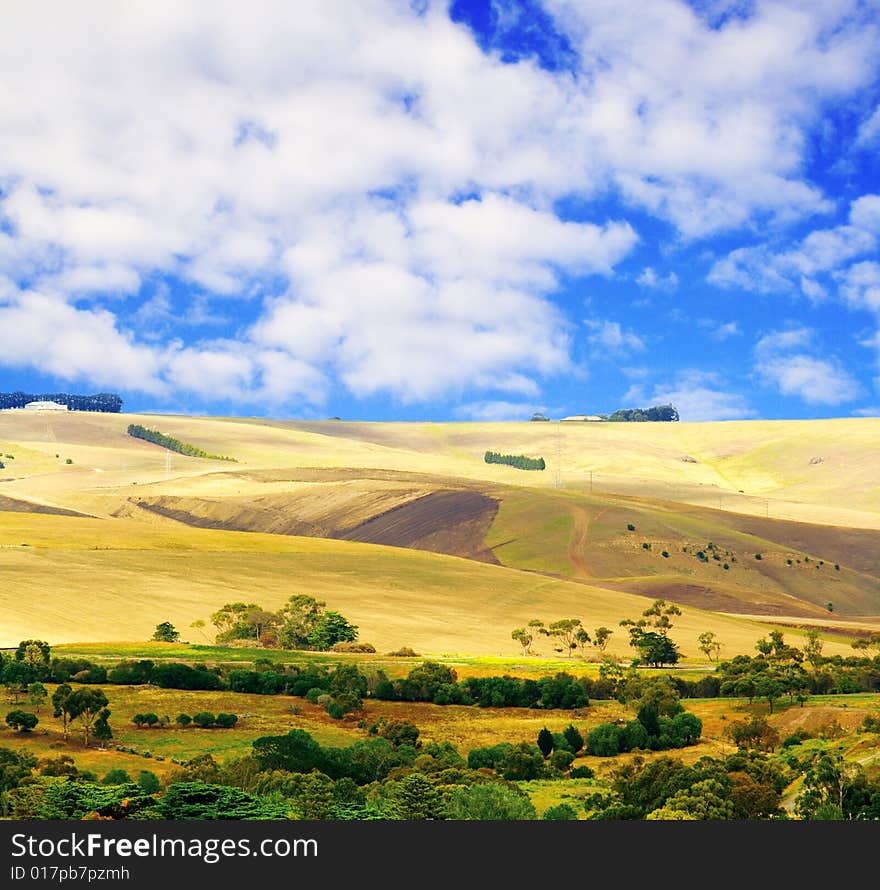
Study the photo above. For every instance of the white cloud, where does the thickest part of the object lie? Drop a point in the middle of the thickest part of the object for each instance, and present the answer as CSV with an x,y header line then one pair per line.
x,y
319,171
720,331
821,252
698,396
649,278
815,380
609,337
869,131
860,285
496,410
75,344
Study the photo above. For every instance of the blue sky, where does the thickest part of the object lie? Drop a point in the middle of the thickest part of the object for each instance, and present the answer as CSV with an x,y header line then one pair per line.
x,y
476,210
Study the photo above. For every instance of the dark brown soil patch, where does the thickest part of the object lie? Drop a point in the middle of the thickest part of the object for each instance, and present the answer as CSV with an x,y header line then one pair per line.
x,y
712,599
452,522
13,505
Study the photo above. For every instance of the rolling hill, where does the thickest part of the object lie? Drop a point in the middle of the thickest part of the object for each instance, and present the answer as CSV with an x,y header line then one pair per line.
x,y
405,528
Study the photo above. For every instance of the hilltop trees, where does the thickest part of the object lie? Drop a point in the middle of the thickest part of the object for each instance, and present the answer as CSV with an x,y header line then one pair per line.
x,y
107,402
657,413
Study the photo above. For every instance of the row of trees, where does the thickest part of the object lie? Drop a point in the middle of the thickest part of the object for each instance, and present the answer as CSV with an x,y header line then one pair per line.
x,y
569,634
519,461
203,719
172,444
108,402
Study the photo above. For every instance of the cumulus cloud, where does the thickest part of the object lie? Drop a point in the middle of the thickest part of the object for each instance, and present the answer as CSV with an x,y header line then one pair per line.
x,y
649,278
698,396
823,252
781,362
384,196
496,411
720,331
609,337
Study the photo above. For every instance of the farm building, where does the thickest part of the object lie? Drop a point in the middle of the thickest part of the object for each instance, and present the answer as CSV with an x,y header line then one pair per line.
x,y
44,406
583,418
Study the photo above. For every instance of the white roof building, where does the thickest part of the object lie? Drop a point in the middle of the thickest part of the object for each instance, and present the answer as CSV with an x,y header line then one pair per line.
x,y
583,417
44,406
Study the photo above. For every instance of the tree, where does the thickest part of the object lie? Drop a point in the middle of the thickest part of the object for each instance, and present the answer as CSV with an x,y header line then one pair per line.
x,y
21,721
561,812
706,799
601,637
755,733
226,721
770,689
37,695
204,719
654,648
523,637
565,630
662,615
415,798
183,720
34,653
116,776
545,742
165,633
828,781
16,677
491,801
86,706
582,638
148,782
232,621
709,646
149,719
298,619
813,649
61,701
331,628
573,737
102,731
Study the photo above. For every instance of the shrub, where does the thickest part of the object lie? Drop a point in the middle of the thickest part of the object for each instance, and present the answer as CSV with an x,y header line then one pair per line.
x,y
562,812
183,720
561,760
116,777
204,719
226,721
631,527
758,556
404,652
665,554
352,646
148,782
582,772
